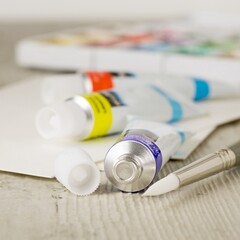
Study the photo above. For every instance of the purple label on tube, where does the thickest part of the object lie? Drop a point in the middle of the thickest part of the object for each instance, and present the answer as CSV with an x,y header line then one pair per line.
x,y
150,144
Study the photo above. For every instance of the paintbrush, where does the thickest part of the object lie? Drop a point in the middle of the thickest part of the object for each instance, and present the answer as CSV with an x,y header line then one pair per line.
x,y
204,167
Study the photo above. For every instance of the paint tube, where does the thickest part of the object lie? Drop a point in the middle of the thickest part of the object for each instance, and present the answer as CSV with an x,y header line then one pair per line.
x,y
199,89
194,88
101,113
60,87
144,147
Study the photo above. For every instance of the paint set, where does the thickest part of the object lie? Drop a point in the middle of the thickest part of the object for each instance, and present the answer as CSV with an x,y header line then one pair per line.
x,y
156,37
183,47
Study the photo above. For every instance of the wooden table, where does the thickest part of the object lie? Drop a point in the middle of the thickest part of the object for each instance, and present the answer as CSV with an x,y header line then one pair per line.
x,y
36,208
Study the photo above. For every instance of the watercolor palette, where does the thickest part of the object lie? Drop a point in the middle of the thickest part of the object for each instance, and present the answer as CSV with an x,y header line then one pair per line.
x,y
165,39
175,47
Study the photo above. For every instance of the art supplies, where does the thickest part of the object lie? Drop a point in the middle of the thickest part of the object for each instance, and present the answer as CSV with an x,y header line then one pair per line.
x,y
24,97
107,100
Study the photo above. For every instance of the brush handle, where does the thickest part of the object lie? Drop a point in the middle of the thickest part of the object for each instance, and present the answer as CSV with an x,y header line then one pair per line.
x,y
236,149
207,166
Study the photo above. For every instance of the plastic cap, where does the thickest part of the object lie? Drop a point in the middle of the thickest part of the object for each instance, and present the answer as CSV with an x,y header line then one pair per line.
x,y
60,87
66,120
75,169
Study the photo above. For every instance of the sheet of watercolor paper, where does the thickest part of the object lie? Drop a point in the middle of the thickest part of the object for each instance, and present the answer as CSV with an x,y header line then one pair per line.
x,y
23,151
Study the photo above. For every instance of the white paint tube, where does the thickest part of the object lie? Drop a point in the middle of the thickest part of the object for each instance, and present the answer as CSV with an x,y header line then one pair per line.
x,y
101,113
134,161
60,87
199,89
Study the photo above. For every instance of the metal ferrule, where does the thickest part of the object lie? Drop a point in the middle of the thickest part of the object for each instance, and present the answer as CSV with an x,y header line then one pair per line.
x,y
236,149
84,104
206,166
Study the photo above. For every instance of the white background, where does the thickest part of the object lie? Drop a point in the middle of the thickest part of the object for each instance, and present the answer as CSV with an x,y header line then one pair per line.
x,y
88,10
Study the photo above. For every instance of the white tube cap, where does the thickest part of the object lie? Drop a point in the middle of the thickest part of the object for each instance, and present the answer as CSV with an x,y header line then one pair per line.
x,y
75,169
64,120
60,87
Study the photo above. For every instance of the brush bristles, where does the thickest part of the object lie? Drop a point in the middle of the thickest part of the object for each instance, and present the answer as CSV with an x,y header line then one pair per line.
x,y
167,184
